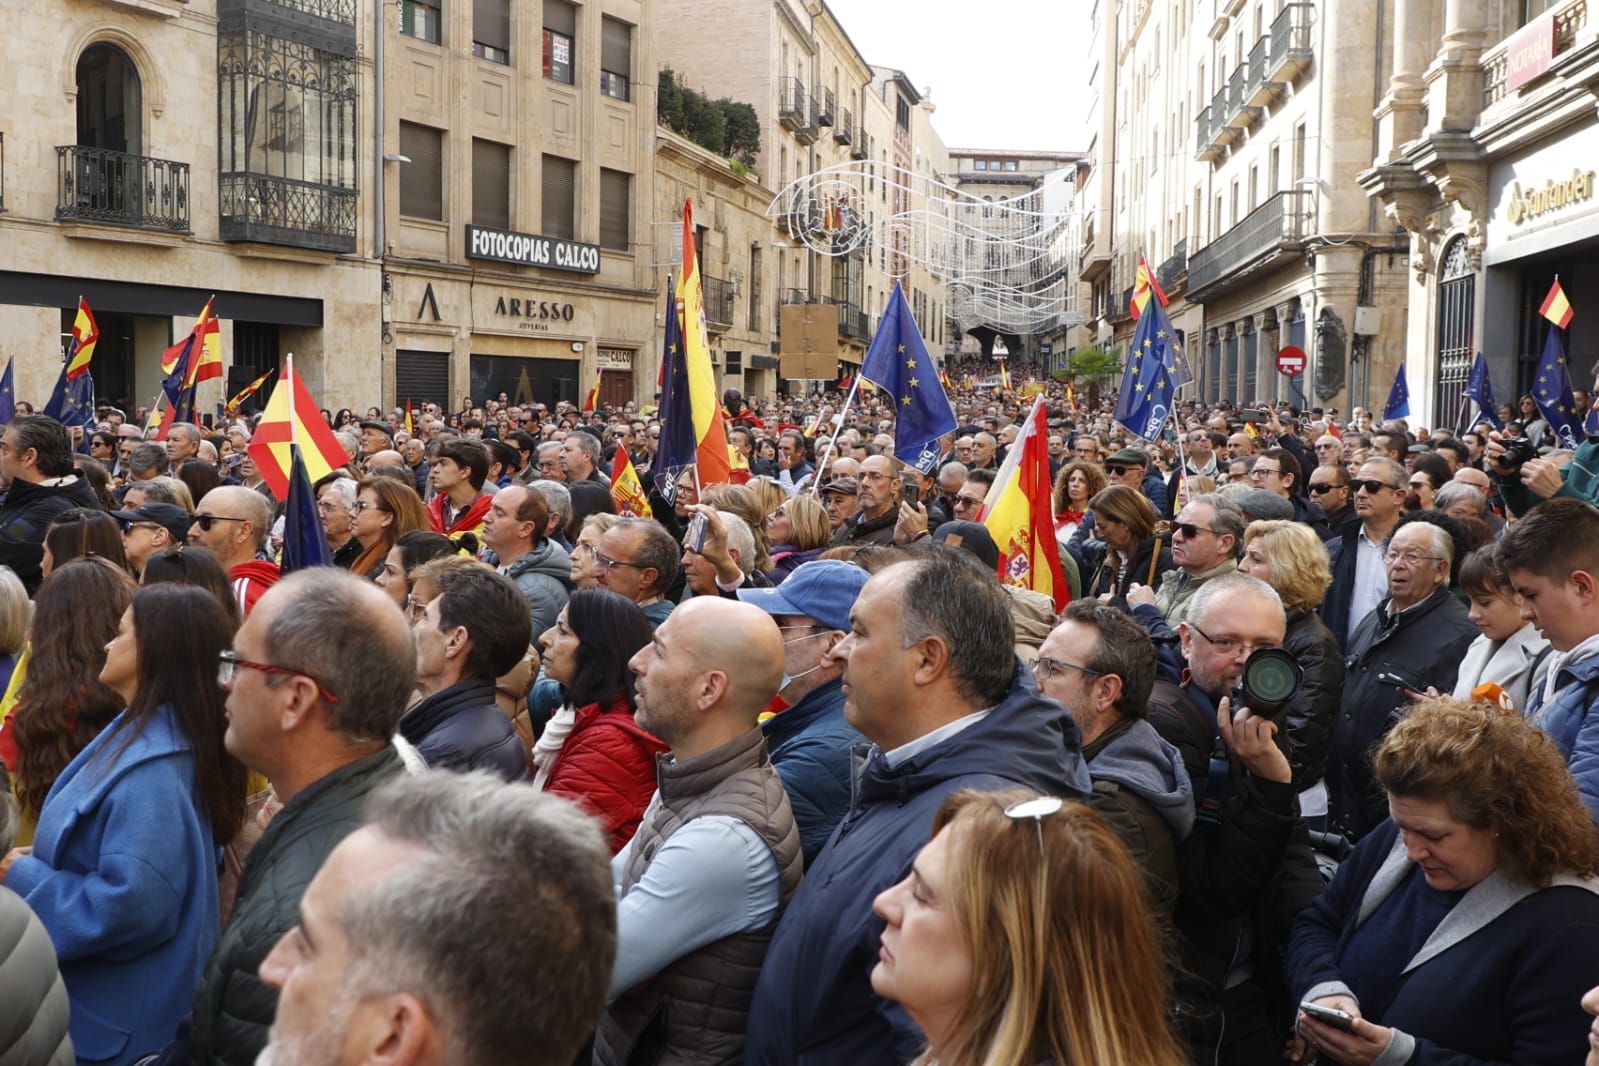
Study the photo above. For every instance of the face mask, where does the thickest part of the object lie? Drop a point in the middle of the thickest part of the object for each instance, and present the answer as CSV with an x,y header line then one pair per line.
x,y
787,678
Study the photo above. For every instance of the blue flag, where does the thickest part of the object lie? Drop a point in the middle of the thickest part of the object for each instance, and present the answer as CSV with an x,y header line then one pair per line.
x,y
8,395
898,363
1552,392
180,397
72,403
1150,380
1480,390
1398,405
679,447
304,542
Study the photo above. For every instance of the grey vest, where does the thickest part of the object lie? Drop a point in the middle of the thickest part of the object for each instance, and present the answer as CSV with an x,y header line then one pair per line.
x,y
696,1010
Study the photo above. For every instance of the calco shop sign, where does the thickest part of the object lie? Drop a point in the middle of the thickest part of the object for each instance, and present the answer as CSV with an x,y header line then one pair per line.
x,y
530,249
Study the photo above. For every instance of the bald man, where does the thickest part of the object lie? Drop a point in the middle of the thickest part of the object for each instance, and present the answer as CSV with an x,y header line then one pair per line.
x,y
234,523
703,880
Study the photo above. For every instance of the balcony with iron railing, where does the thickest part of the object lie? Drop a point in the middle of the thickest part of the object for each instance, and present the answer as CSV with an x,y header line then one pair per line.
x,y
110,188
862,147
1273,232
794,296
285,211
793,106
844,132
719,297
825,107
1570,19
1174,266
851,320
1263,77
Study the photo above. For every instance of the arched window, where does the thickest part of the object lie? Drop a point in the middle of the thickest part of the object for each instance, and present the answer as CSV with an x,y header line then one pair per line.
x,y
109,100
1457,291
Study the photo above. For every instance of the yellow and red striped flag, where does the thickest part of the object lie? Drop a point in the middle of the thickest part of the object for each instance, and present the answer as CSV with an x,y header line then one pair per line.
x,y
292,417
1555,307
626,488
1144,283
1019,514
85,334
206,362
410,424
591,402
232,406
709,433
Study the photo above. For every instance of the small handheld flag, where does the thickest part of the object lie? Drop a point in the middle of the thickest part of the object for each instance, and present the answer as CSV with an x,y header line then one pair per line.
x,y
85,334
1555,307
1398,405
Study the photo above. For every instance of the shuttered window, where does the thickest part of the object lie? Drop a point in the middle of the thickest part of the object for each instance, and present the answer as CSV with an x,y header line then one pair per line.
x,y
560,198
616,58
616,209
422,377
491,30
560,37
491,184
422,179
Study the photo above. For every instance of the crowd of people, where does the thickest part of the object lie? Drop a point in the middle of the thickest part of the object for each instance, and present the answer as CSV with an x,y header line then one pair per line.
x,y
784,771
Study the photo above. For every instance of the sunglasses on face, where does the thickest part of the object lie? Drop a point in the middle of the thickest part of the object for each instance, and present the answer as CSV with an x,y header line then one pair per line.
x,y
1371,485
1189,530
1321,489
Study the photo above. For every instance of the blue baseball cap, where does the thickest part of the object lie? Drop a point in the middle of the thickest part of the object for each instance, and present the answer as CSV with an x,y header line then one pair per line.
x,y
823,589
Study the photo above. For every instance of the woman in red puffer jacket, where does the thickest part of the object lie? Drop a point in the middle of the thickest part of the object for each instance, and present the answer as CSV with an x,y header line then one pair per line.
x,y
592,750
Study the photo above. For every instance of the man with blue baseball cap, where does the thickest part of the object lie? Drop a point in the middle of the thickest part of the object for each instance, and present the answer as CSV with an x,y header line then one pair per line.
x,y
810,742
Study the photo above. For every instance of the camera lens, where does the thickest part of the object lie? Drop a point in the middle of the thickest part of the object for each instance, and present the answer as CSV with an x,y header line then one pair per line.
x,y
1271,675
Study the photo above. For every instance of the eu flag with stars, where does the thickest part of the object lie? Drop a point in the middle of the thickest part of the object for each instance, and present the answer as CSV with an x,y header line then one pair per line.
x,y
898,363
72,403
1552,392
1150,380
8,395
1480,390
1398,405
679,446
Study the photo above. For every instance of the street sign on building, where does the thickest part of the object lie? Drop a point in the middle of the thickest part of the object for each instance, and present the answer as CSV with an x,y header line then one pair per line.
x,y
1291,361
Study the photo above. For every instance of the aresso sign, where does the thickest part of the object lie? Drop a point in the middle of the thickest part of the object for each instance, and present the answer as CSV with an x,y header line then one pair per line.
x,y
530,249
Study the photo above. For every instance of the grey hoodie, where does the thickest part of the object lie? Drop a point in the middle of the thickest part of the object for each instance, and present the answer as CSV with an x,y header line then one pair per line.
x,y
545,577
1142,789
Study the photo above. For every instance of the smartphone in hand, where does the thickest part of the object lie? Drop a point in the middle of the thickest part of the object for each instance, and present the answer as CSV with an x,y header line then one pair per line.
x,y
1338,1019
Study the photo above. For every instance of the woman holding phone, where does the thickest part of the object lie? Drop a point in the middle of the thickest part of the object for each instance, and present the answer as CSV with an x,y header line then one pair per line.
x,y
1464,928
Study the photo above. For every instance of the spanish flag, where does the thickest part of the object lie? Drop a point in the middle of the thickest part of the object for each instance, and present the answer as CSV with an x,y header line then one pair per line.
x,y
626,488
232,406
292,417
1144,282
205,361
709,433
1004,376
591,402
85,334
1555,307
410,423
1019,514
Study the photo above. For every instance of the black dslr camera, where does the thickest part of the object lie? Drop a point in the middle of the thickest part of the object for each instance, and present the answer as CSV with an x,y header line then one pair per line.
x,y
1517,451
1269,682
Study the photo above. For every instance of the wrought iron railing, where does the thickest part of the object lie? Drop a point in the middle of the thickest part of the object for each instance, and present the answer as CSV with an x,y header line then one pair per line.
x,y
718,300
272,210
824,107
1290,37
1275,227
844,132
791,107
119,189
1569,19
1175,265
794,296
851,320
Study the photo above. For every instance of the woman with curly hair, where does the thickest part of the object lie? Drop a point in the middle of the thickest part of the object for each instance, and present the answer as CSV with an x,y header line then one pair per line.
x,y
61,705
1021,937
1077,483
1464,928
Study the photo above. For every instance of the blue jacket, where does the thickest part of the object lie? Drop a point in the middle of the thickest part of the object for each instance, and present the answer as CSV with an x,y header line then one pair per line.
x,y
814,1002
461,728
124,876
1572,721
810,745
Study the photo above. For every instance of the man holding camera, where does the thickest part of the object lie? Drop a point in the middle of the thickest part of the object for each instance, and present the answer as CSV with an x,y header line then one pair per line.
x,y
1525,480
1247,867
1414,640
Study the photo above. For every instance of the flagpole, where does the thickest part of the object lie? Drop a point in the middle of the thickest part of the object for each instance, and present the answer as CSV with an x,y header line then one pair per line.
x,y
838,427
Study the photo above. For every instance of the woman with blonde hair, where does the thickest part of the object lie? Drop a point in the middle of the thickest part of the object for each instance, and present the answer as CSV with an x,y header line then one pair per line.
x,y
799,531
1076,484
1124,520
1021,937
1291,558
1464,928
385,508
583,548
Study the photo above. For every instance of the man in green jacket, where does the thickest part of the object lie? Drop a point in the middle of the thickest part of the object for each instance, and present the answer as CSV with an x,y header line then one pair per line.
x,y
319,675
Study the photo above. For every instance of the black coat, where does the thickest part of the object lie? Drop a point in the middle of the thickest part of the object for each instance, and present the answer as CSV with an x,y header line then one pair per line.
x,y
462,728
234,1008
27,512
1334,610
1424,645
1102,575
1314,710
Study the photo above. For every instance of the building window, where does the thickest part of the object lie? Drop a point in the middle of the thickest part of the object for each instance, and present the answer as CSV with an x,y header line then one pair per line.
x,y
1457,288
616,58
560,198
981,164
616,209
491,184
422,179
491,30
560,33
1010,164
420,20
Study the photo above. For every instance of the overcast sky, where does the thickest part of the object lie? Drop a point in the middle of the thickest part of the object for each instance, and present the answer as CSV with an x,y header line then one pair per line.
x,y
1004,73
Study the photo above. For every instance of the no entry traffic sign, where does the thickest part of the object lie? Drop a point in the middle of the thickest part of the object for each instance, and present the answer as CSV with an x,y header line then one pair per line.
x,y
1291,361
